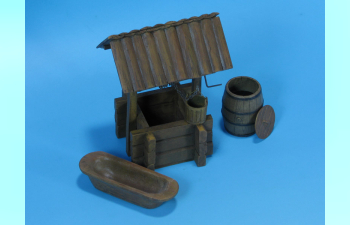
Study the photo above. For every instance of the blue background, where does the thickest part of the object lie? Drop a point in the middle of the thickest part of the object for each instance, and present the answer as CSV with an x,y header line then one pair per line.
x,y
70,87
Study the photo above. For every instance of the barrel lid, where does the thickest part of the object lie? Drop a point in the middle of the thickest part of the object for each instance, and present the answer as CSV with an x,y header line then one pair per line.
x,y
264,122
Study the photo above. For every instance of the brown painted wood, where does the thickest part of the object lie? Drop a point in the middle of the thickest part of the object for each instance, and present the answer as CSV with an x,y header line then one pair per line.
x,y
128,181
131,59
200,145
210,43
147,100
120,62
188,51
131,119
221,43
184,154
265,121
143,62
169,130
154,59
150,151
200,139
165,55
201,160
197,82
176,54
240,104
170,52
200,48
173,143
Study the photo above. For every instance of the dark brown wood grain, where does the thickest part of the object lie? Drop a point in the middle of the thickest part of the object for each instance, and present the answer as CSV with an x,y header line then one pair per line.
x,y
240,104
211,45
154,59
265,121
150,151
176,54
131,118
128,181
132,64
188,51
120,62
221,43
165,55
200,48
143,62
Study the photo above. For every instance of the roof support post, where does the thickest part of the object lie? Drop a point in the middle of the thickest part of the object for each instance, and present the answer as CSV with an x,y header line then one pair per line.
x,y
131,118
197,82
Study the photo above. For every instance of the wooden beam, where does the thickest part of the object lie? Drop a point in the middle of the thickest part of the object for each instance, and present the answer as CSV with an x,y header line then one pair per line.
x,y
201,145
149,158
131,118
197,82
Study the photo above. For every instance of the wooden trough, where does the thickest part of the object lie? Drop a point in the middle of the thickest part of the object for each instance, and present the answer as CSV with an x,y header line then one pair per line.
x,y
164,127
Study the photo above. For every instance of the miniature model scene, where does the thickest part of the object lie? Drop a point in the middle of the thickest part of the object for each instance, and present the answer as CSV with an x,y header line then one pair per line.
x,y
170,125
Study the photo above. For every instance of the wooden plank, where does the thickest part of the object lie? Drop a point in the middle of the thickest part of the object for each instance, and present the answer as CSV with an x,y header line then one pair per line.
x,y
120,131
200,48
134,70
174,157
188,51
122,66
131,118
150,151
210,43
210,148
201,160
154,59
197,82
166,145
165,56
118,102
176,54
200,139
143,62
222,44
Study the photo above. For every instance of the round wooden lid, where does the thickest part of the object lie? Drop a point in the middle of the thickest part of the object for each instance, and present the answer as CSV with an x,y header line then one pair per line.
x,y
264,122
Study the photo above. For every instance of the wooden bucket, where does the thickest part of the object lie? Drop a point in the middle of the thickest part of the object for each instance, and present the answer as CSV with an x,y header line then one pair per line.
x,y
241,103
196,110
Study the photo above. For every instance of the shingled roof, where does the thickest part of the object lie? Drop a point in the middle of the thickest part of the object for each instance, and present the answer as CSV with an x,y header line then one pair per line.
x,y
170,52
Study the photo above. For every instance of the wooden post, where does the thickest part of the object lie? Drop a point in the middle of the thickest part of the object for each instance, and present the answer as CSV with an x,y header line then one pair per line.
x,y
131,117
149,158
201,145
197,82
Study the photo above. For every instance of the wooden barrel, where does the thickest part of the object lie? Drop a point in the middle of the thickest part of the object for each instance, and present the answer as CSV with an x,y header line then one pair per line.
x,y
240,104
196,110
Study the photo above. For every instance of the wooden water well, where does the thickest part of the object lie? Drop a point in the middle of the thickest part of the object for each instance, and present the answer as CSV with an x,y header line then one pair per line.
x,y
167,126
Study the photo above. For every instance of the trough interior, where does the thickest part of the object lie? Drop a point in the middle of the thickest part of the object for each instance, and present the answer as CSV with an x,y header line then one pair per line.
x,y
129,175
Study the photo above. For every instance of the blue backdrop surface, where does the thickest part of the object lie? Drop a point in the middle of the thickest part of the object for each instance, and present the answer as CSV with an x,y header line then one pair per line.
x,y
70,87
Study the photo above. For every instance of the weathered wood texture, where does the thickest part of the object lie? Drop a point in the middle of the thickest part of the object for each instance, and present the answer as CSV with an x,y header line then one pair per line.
x,y
201,145
159,106
265,121
241,102
131,118
149,158
196,109
128,181
171,52
175,142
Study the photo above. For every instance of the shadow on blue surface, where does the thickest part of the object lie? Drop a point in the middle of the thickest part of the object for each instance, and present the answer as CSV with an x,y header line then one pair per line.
x,y
165,209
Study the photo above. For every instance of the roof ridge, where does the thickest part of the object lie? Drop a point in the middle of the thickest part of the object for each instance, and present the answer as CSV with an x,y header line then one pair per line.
x,y
155,28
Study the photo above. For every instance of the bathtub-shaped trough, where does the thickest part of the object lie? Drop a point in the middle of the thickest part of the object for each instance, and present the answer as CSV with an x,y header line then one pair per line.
x,y
127,180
